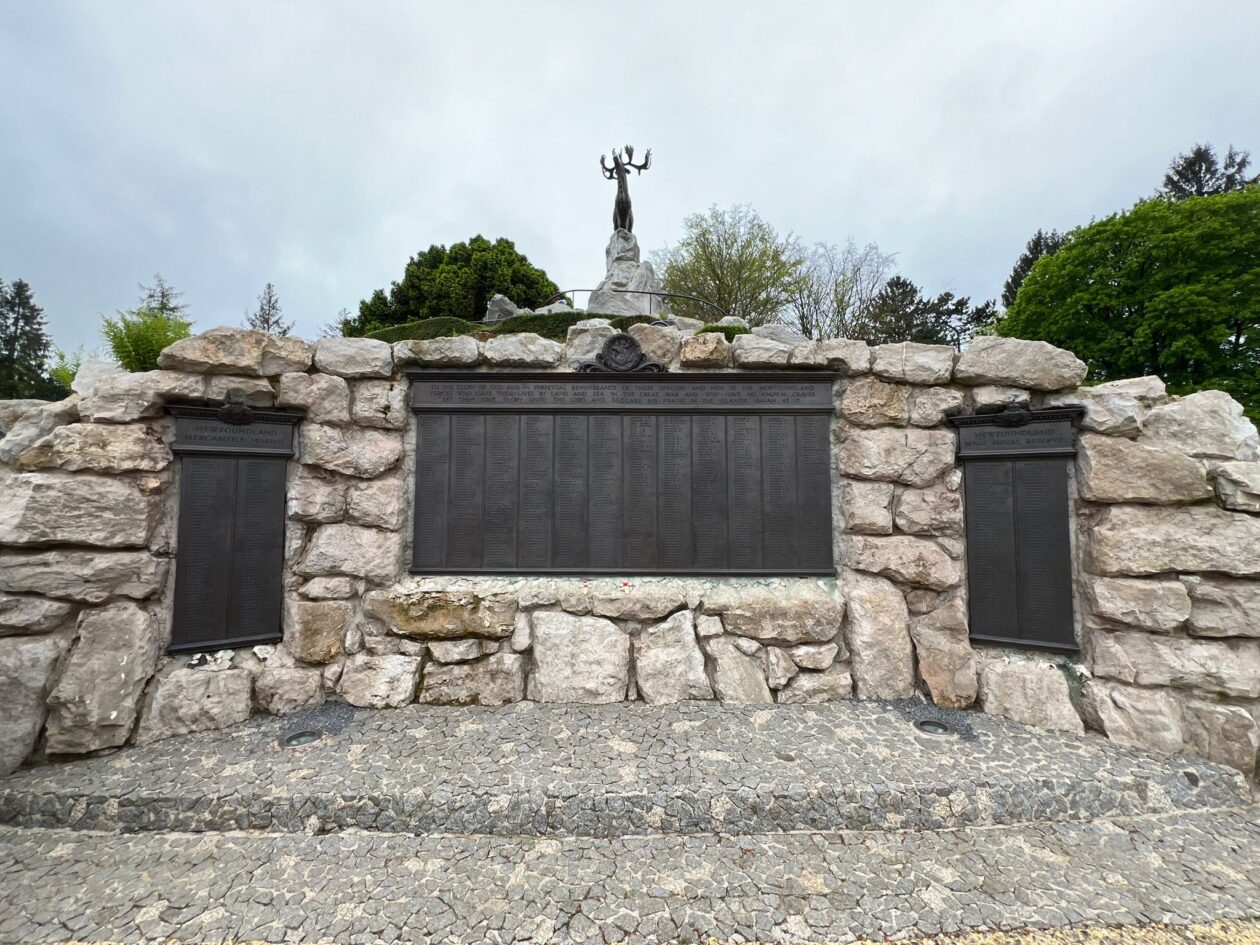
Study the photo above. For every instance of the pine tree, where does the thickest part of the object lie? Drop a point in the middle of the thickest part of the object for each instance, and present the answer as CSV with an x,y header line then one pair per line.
x,y
1041,244
268,316
162,298
24,345
1199,174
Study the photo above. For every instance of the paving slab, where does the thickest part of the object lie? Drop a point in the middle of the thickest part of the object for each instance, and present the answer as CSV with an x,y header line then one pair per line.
x,y
614,771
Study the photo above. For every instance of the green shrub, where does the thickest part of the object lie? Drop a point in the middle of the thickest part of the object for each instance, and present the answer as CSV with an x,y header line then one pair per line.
x,y
426,328
64,365
553,325
136,338
730,331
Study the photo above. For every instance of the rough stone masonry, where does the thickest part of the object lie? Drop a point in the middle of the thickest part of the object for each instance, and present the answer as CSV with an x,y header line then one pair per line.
x,y
1166,512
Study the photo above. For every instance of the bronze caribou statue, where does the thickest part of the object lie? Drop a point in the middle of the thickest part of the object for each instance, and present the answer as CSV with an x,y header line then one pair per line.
x,y
623,216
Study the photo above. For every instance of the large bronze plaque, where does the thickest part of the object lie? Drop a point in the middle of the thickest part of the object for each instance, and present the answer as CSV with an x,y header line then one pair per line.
x,y
622,474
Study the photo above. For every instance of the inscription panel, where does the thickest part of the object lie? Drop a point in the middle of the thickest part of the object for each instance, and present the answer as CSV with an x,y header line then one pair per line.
x,y
587,474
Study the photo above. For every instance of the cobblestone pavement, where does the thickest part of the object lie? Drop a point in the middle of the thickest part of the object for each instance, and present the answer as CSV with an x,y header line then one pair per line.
x,y
353,886
609,771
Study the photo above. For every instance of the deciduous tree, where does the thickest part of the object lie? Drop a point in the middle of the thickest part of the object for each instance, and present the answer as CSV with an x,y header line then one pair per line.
x,y
835,288
1041,244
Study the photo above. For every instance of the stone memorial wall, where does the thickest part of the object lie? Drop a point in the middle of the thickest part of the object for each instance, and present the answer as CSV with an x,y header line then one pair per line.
x,y
1164,513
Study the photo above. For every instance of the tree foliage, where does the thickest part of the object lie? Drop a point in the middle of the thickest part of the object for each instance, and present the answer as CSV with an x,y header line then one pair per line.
x,y
137,336
901,312
1198,173
456,283
24,345
268,316
1041,244
836,286
162,298
1169,288
736,260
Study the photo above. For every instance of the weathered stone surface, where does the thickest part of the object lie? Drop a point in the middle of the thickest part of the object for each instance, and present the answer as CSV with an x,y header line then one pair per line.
x,y
1226,734
929,406
379,682
1162,606
583,342
94,703
329,588
523,350
495,680
26,669
828,686
1016,362
1113,469
904,558
456,651
96,447
123,398
708,626
522,633
1219,607
462,351
1117,408
878,634
90,371
914,363
779,667
578,659
354,357
688,326
988,398
849,358
707,349
11,411
1209,423
736,676
252,391
1237,485
1227,667
355,452
443,615
194,700
53,508
635,601
281,688
28,615
1028,690
353,550
316,496
783,334
748,647
946,661
756,351
870,402
313,629
913,457
668,664
1148,539
379,503
88,576
799,612
498,308
33,425
1128,715
935,510
659,342
867,506
237,351
324,397
816,655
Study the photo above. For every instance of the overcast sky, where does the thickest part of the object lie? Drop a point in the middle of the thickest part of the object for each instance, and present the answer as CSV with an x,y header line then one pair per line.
x,y
317,145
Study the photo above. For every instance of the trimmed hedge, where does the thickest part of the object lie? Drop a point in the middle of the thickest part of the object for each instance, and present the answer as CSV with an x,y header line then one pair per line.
x,y
444,326
730,331
553,325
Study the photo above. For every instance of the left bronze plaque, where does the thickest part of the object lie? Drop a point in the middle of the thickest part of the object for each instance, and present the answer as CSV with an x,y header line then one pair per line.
x,y
230,557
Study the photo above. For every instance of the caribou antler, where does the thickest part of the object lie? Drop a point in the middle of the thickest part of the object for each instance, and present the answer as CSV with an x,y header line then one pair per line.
x,y
609,172
647,160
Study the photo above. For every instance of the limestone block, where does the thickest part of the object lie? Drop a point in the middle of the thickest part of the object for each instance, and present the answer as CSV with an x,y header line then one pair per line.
x,y
688,326
912,457
90,371
878,635
21,615
91,577
26,670
11,411
237,351
354,357
935,510
313,630
920,600
831,685
736,676
578,659
780,333
867,506
498,308
659,342
124,398
636,601
817,656
1219,607
1030,691
1237,485
795,612
35,424
1113,469
1227,667
379,503
583,342
904,558
281,688
849,358
316,496
443,615
1209,423
779,667
522,633
1019,363
456,651
379,682
947,663
870,402
755,351
1148,391
1226,734
929,406
495,680
252,391
46,508
707,349
708,626
1162,606
1135,717
989,398
324,397
733,320
94,704
354,551
748,647
329,588
523,350
461,351
1117,408
1149,539
668,664
95,447
355,452
186,700
914,363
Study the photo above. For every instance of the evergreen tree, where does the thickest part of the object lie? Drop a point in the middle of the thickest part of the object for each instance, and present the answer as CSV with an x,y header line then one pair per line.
x,y
162,298
268,316
901,312
1041,244
24,345
1199,174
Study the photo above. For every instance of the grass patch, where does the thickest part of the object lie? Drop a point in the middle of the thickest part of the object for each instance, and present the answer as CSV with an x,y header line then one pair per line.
x,y
729,331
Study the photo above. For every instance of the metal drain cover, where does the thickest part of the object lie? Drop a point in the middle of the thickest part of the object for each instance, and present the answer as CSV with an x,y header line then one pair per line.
x,y
299,738
934,727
